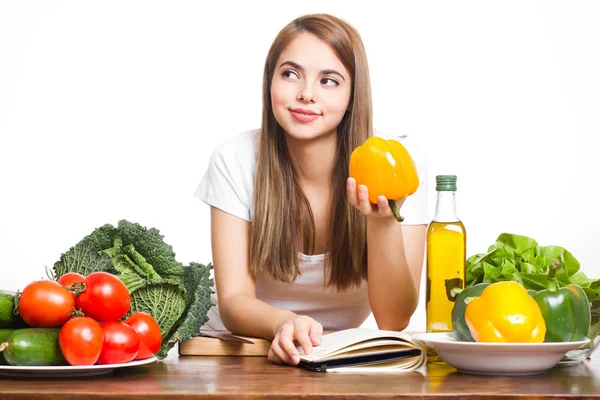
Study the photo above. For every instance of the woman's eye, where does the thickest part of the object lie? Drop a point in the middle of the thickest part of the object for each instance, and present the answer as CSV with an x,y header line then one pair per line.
x,y
290,74
329,82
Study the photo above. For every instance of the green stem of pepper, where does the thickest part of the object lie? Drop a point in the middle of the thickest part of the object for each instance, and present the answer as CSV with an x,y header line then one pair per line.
x,y
552,281
395,210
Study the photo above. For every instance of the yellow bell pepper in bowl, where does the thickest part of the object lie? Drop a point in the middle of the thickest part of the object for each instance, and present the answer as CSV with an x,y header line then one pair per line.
x,y
505,312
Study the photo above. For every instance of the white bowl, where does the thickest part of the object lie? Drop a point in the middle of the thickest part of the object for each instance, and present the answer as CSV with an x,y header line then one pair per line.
x,y
497,358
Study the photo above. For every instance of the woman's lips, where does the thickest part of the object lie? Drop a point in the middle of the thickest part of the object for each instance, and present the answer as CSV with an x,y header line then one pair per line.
x,y
304,115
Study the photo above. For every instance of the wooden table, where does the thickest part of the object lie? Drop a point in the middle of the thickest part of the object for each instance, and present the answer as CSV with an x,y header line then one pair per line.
x,y
255,378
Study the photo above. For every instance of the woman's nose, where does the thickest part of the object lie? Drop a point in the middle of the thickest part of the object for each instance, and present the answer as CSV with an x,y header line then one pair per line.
x,y
306,94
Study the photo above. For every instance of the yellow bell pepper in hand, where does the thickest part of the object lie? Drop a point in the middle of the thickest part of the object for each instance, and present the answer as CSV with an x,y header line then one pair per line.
x,y
386,168
505,312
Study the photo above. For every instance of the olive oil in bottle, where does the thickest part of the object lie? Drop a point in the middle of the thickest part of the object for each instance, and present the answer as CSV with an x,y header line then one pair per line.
x,y
446,257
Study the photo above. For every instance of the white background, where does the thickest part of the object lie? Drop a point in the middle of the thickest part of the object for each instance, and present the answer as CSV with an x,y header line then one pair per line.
x,y
111,110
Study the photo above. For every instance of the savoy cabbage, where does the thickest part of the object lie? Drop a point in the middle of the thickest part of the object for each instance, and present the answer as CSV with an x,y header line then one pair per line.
x,y
176,295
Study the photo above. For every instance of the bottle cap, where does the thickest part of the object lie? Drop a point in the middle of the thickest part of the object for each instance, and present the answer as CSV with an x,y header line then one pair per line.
x,y
446,183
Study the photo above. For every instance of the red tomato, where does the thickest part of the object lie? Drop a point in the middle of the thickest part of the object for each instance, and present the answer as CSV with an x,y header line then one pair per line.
x,y
105,297
81,340
121,343
149,332
68,279
45,304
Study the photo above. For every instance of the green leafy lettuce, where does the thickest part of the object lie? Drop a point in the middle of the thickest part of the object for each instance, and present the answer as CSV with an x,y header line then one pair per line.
x,y
520,258
176,295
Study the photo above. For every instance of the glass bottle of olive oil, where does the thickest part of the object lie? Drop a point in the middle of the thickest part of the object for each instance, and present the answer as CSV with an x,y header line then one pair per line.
x,y
446,257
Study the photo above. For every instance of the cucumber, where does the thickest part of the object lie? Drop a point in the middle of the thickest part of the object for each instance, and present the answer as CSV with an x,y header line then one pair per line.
x,y
8,318
3,335
33,347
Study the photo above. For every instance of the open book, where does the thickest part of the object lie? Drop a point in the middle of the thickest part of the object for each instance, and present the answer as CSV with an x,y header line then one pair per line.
x,y
365,350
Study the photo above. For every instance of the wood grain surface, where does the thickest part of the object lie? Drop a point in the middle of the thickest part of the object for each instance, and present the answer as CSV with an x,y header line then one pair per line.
x,y
207,346
198,377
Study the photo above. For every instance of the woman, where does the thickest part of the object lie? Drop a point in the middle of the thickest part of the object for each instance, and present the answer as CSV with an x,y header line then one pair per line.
x,y
297,247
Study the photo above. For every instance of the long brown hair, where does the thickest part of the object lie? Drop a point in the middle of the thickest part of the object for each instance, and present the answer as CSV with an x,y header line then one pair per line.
x,y
282,213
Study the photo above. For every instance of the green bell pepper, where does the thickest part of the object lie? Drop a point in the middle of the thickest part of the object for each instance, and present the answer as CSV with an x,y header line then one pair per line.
x,y
566,310
459,325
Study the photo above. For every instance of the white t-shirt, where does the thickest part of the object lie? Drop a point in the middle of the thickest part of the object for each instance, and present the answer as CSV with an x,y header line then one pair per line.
x,y
228,184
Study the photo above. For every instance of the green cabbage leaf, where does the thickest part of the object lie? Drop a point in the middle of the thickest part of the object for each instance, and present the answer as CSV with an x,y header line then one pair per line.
x,y
176,295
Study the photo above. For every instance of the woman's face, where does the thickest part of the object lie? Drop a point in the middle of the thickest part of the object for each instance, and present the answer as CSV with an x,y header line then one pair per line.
x,y
310,90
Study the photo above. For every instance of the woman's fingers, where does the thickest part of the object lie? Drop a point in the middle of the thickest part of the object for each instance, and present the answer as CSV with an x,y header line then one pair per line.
x,y
364,205
286,343
273,357
383,207
274,350
303,330
358,197
351,190
304,340
316,331
279,347
277,353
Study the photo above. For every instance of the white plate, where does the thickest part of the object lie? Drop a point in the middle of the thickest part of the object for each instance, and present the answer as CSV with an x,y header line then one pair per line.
x,y
497,358
67,371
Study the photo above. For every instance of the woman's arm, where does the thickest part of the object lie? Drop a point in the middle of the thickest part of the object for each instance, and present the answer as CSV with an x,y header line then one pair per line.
x,y
242,313
395,260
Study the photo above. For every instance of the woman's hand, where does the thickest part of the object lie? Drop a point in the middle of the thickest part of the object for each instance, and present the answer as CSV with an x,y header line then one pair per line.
x,y
359,199
302,329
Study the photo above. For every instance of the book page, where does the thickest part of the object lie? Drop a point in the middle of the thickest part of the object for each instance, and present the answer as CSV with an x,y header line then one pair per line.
x,y
405,364
360,349
357,338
